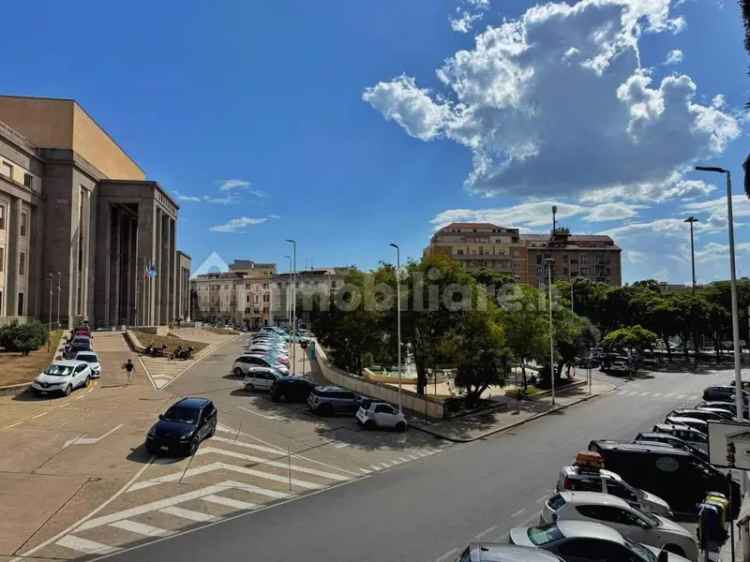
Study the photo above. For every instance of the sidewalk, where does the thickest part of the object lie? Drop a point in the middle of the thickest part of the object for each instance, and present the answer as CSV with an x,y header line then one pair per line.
x,y
478,426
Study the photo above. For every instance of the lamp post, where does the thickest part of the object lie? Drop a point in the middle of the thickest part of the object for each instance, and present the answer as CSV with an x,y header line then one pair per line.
x,y
49,323
692,220
733,285
289,295
294,305
59,293
398,318
548,262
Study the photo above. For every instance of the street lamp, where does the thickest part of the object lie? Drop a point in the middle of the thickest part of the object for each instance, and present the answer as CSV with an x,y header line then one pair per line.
x,y
548,262
692,220
733,286
59,293
398,317
294,305
288,294
49,324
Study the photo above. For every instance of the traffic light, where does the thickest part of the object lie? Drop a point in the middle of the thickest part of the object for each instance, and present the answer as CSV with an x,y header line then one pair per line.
x,y
731,450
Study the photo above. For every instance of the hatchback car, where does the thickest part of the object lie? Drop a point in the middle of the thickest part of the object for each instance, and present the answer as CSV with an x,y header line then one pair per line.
x,y
574,478
691,436
496,552
614,512
291,389
380,414
672,441
260,378
700,414
92,359
582,541
695,423
62,377
329,400
182,427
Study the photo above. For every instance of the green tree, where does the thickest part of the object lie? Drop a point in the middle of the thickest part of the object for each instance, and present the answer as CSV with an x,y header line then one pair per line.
x,y
631,338
23,338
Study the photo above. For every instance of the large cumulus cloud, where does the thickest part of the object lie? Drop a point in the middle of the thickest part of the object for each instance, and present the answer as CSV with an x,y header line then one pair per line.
x,y
557,102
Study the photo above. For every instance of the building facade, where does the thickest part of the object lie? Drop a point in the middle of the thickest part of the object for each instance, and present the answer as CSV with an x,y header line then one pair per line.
x,y
321,281
496,249
80,225
184,297
241,296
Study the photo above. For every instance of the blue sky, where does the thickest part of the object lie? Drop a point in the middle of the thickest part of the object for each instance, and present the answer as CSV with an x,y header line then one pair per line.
x,y
348,125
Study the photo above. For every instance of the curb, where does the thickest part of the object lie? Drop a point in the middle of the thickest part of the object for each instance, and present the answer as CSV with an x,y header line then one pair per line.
x,y
504,427
14,389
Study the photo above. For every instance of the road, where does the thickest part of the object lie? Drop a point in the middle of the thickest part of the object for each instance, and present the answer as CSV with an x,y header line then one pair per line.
x,y
428,509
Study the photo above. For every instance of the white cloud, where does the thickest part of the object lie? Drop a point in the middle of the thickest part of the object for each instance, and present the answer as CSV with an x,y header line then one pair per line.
x,y
230,185
674,56
675,187
187,198
464,23
556,102
536,214
226,200
238,225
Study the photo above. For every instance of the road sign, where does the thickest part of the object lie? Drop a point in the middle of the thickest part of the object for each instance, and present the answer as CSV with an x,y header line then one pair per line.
x,y
729,444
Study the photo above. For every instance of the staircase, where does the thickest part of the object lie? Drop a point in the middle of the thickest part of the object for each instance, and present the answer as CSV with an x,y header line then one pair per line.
x,y
110,342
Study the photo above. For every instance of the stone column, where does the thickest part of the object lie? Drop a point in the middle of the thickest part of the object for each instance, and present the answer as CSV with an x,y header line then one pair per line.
x,y
11,288
114,269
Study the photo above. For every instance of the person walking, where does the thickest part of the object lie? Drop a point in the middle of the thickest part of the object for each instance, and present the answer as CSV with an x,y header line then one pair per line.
x,y
130,370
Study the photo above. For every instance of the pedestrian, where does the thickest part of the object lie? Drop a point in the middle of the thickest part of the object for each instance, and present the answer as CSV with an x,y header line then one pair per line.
x,y
129,368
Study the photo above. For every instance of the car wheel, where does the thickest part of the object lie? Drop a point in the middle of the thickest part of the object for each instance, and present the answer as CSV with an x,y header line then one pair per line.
x,y
249,387
275,397
400,426
87,382
237,372
369,424
674,549
68,390
212,432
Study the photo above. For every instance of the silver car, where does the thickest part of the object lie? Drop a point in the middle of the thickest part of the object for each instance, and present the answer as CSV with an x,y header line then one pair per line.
x,y
496,552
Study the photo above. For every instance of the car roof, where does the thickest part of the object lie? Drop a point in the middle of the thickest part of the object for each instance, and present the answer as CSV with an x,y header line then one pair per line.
x,y
192,402
575,470
656,435
641,448
593,498
588,529
68,363
688,418
675,427
498,552
331,388
86,352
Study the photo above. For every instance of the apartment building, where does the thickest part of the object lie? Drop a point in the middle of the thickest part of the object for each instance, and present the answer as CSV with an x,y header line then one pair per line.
x,y
321,281
79,217
485,246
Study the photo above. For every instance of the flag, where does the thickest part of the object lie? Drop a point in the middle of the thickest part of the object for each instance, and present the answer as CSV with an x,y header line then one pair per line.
x,y
150,270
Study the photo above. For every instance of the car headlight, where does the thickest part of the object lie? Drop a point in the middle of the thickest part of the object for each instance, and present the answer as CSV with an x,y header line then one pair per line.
x,y
186,437
151,433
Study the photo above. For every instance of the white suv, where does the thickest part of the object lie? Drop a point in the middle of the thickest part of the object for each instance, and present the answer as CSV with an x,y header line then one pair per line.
x,y
62,377
260,378
380,414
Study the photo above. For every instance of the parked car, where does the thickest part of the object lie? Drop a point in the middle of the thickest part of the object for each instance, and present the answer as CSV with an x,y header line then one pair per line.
x,y
700,413
496,552
62,377
260,378
634,524
695,423
329,400
575,478
182,427
680,478
78,344
582,541
722,394
691,436
244,362
380,414
291,389
670,440
726,413
727,406
92,359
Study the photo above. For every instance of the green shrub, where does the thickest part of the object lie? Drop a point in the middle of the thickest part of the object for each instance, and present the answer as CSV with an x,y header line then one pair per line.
x,y
23,338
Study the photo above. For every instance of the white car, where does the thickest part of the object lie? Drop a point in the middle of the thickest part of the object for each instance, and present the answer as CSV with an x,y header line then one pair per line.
x,y
245,362
380,414
260,378
62,377
634,524
92,359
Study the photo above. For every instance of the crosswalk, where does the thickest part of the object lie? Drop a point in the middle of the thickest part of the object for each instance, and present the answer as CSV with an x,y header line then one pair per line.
x,y
667,397
229,475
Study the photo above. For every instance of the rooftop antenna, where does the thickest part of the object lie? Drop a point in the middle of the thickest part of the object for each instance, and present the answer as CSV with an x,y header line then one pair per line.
x,y
554,219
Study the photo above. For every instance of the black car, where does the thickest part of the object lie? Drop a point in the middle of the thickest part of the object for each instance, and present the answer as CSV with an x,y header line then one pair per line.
x,y
182,427
721,394
700,414
291,389
671,440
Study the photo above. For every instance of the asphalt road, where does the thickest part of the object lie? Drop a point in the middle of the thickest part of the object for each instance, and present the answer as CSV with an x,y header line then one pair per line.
x,y
429,509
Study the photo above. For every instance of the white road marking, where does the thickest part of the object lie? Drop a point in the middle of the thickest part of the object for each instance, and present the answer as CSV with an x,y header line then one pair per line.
x,y
414,457
447,555
228,502
188,514
223,466
404,459
376,467
86,546
657,394
341,445
277,464
140,528
249,411
39,415
174,500
90,440
540,500
13,425
365,471
484,533
262,448
517,513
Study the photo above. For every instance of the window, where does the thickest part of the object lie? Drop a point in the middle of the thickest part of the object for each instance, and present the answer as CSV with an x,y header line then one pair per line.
x,y
1,303
2,217
2,259
7,170
20,304
27,180
591,549
24,223
22,263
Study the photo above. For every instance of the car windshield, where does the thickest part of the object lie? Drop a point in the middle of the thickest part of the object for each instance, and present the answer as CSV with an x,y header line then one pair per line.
x,y
544,534
641,551
182,415
88,358
59,370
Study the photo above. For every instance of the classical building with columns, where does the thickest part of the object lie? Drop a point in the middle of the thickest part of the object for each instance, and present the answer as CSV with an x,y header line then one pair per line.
x,y
83,233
